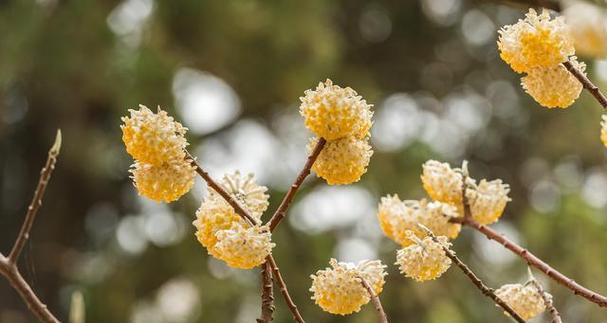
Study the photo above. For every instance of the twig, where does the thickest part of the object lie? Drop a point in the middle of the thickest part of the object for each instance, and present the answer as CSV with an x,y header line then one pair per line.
x,y
536,262
32,210
267,294
487,291
245,215
376,302
288,198
588,85
554,313
8,265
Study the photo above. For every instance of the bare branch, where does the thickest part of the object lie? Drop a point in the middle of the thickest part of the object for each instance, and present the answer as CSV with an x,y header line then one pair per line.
x,y
383,318
284,291
288,198
588,85
32,210
267,294
554,313
489,292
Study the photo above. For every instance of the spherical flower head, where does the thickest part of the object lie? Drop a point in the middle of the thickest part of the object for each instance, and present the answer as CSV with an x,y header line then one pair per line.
x,y
166,182
536,41
525,300
604,129
338,289
442,183
243,247
488,200
342,161
153,138
213,216
554,87
425,259
588,28
333,112
245,190
373,272
399,218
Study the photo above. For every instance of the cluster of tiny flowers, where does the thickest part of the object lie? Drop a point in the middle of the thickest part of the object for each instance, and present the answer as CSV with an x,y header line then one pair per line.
x,y
536,41
588,28
525,300
157,142
554,87
224,233
398,218
339,289
487,200
604,129
425,259
343,118
442,183
342,161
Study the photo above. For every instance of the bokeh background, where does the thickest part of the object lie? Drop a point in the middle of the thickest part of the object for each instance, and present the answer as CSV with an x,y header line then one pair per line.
x,y
232,71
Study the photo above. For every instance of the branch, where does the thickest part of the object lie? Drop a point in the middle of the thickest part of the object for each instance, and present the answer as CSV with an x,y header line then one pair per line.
x,y
536,262
267,294
247,217
284,291
556,317
286,201
588,85
8,265
489,292
32,210
378,307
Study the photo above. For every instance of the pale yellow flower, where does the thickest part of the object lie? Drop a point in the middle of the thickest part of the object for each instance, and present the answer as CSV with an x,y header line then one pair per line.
x,y
243,247
333,112
525,300
246,191
536,41
442,183
588,27
153,138
555,86
166,182
487,200
213,216
604,129
425,259
342,161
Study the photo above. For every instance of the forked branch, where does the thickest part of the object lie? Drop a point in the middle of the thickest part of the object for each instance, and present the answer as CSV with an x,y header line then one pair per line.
x,y
383,318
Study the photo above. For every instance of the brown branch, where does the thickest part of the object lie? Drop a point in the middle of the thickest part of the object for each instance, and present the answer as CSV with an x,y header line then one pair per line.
x,y
247,217
554,313
284,291
32,210
536,262
286,201
8,265
383,318
267,294
588,85
487,291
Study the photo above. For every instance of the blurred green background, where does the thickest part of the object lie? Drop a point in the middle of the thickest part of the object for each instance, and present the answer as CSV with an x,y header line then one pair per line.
x,y
232,71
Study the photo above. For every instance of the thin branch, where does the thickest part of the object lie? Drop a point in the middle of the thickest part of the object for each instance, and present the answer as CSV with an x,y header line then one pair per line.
x,y
536,262
284,291
588,85
554,313
32,210
383,318
288,198
247,217
267,294
487,291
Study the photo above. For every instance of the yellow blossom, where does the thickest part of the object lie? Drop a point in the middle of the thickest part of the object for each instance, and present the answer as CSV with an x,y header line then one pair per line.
x,y
153,138
214,215
525,300
487,200
536,41
604,129
553,87
425,259
443,183
166,182
246,191
333,112
588,28
342,161
243,247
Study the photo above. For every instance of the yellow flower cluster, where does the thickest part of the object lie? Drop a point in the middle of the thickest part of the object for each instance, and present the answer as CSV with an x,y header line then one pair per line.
x,y
525,300
536,41
588,28
425,259
487,200
224,233
157,142
339,290
554,87
443,183
343,118
342,161
604,129
399,218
